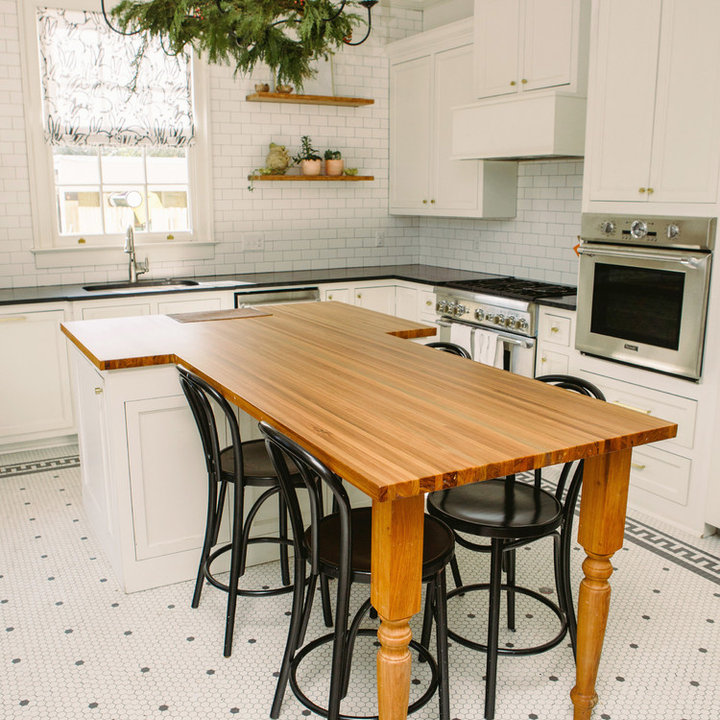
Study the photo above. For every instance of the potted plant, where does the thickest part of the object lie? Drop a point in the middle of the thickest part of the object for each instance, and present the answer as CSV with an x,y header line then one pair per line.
x,y
333,163
308,159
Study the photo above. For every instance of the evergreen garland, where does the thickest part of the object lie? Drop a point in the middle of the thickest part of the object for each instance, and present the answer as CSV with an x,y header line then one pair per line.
x,y
287,35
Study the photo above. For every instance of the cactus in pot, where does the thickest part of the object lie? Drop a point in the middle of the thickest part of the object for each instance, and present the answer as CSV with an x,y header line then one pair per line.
x,y
333,163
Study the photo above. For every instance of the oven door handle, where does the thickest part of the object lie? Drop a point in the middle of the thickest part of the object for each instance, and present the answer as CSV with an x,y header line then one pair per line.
x,y
691,262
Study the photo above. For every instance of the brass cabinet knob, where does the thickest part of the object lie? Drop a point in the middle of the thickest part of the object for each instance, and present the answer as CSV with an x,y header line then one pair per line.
x,y
524,81
642,190
513,83
98,391
428,302
432,202
424,202
329,297
554,329
651,191
359,295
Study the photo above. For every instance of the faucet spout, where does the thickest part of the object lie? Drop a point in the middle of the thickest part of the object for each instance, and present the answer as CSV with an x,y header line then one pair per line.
x,y
134,267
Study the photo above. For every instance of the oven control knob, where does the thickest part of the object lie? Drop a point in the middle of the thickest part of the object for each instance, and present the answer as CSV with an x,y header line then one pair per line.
x,y
672,231
522,324
608,227
510,321
450,307
638,229
460,310
441,306
480,314
498,319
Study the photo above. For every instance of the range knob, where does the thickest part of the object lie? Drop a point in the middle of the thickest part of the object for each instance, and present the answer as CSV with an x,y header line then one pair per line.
x,y
510,321
498,319
441,306
608,227
480,314
638,229
522,324
460,310
450,309
672,231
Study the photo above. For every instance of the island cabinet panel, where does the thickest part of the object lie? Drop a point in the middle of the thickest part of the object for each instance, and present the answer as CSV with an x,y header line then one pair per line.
x,y
35,400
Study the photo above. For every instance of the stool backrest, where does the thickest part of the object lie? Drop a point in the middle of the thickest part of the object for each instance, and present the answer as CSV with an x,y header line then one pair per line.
x,y
449,347
198,393
314,476
578,385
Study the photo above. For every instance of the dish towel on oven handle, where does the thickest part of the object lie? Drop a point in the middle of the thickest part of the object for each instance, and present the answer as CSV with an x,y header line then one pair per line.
x,y
488,348
461,335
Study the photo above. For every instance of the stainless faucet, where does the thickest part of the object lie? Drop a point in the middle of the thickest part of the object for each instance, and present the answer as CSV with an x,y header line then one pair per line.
x,y
134,267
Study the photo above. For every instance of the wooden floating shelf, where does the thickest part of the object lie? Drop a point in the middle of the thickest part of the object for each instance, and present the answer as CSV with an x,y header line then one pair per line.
x,y
312,178
308,99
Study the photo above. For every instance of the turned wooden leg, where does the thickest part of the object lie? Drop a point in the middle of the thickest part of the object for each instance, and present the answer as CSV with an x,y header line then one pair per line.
x,y
600,532
397,541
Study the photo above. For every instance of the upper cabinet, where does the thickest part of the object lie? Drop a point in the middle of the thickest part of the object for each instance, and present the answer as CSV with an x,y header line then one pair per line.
x,y
431,73
524,45
654,105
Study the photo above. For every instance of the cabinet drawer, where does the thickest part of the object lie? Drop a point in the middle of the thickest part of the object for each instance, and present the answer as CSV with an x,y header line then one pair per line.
x,y
555,328
660,473
552,363
652,402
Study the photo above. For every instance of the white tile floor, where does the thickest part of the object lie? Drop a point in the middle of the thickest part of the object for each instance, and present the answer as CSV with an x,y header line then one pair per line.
x,y
73,645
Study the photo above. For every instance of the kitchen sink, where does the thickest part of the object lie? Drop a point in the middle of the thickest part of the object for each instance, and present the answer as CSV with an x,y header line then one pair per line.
x,y
141,285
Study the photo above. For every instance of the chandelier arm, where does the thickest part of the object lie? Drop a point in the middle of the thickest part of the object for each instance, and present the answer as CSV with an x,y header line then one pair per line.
x,y
369,28
338,13
114,29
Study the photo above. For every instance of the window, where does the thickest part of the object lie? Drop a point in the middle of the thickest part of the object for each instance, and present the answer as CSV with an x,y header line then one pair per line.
x,y
113,142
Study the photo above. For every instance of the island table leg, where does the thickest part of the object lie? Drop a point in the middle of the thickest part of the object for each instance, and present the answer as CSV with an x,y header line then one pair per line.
x,y
397,543
600,531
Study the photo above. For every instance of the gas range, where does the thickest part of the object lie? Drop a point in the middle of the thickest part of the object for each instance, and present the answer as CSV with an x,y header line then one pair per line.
x,y
506,303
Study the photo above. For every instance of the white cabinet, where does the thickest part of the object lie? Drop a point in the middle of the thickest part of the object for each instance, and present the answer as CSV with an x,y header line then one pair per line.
x,y
524,45
35,400
654,104
556,352
380,298
430,73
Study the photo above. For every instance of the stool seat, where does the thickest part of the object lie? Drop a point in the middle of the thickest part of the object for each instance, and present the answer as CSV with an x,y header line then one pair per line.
x,y
257,467
494,509
438,545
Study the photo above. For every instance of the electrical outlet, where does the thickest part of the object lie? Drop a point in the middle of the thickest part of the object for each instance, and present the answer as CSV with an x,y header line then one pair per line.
x,y
476,245
379,238
253,241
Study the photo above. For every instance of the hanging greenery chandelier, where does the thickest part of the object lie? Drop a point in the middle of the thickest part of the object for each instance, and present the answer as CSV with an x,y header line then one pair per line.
x,y
287,35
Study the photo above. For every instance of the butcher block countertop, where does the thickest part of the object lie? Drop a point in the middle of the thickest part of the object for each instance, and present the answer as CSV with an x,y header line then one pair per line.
x,y
392,417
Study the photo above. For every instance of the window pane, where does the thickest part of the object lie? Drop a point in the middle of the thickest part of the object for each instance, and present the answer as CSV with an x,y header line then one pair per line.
x,y
79,211
123,165
76,166
167,165
168,209
119,212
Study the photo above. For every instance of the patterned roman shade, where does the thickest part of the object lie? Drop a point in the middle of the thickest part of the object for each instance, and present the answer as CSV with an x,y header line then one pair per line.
x,y
96,92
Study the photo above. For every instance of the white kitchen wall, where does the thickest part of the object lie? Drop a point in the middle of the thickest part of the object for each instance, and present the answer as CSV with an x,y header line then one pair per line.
x,y
305,225
537,244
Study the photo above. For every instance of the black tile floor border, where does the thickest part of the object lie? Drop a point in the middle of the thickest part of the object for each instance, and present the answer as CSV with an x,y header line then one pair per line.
x,y
36,466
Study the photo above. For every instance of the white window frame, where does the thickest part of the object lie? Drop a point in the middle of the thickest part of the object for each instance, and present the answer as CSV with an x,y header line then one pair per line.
x,y
52,250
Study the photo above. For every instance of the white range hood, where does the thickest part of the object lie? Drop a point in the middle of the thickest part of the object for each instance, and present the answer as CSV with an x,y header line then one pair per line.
x,y
530,125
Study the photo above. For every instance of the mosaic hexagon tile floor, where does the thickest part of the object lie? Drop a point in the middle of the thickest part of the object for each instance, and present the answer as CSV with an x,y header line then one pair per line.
x,y
74,646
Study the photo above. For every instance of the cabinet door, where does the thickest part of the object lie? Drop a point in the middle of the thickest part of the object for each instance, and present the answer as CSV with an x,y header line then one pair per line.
x,y
406,303
548,32
410,87
454,182
114,308
190,305
34,376
379,298
337,294
622,94
686,150
496,47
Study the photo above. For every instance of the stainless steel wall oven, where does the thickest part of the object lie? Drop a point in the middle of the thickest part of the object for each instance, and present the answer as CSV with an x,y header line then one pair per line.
x,y
643,290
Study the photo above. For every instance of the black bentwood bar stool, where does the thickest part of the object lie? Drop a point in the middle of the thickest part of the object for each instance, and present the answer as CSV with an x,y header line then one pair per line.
x,y
513,514
449,347
242,465
338,545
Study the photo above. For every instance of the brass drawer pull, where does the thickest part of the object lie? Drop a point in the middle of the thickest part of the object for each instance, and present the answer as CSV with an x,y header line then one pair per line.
x,y
630,407
638,466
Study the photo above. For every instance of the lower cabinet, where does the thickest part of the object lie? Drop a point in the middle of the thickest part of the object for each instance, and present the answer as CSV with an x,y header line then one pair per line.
x,y
555,342
35,399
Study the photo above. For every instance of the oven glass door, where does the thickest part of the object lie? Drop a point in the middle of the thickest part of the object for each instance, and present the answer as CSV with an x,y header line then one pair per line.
x,y
644,306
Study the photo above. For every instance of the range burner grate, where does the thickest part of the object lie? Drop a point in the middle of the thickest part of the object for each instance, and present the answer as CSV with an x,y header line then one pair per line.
x,y
512,287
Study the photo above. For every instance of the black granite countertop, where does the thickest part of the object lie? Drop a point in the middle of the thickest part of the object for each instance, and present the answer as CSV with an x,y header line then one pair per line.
x,y
427,274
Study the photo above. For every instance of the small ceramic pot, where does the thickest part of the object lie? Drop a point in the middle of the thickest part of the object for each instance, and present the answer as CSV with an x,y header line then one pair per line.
x,y
311,167
334,167
262,87
284,89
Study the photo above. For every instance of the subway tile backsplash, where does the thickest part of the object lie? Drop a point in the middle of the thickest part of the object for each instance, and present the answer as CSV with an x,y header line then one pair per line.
x,y
306,225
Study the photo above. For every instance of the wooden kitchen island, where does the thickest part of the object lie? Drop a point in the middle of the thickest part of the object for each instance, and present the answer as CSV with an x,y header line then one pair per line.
x,y
396,420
